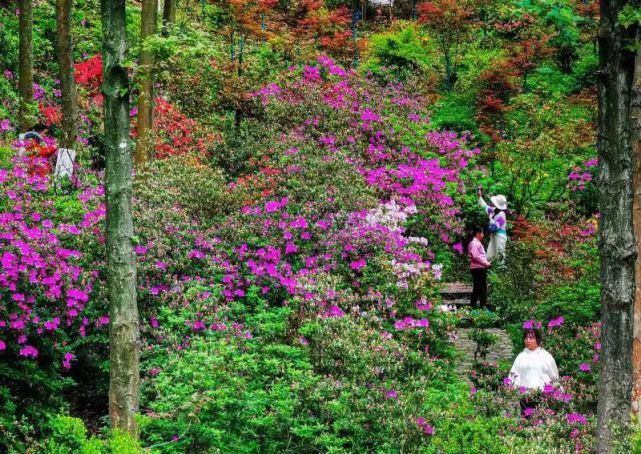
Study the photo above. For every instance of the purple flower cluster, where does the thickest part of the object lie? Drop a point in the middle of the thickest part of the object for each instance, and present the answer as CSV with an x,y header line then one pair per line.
x,y
580,176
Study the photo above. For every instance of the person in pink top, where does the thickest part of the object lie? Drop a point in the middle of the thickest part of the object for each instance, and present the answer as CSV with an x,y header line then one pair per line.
x,y
478,267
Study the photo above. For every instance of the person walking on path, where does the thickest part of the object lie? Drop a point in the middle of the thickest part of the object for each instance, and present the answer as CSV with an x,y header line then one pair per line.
x,y
498,224
478,267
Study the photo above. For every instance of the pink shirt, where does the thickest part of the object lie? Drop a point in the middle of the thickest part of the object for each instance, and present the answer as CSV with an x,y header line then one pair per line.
x,y
476,251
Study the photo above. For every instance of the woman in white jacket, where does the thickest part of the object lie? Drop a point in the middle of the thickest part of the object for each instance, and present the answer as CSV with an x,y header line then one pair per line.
x,y
497,226
533,368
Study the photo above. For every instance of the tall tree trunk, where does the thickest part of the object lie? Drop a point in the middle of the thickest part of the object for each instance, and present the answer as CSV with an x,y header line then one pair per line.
x,y
146,98
168,15
635,120
616,231
121,267
66,69
25,64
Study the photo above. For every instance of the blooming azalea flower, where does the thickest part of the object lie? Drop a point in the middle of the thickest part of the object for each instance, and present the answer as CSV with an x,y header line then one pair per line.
x,y
29,351
391,394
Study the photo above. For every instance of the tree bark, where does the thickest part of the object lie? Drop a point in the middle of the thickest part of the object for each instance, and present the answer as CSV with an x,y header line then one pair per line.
x,y
168,15
25,64
616,231
635,121
146,80
64,50
121,267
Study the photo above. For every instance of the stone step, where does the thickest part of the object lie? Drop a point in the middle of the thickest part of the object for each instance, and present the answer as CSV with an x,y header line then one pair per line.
x,y
455,291
458,302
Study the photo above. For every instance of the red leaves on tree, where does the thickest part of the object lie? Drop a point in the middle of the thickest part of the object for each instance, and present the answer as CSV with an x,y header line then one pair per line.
x,y
331,29
554,242
499,83
528,54
446,15
497,86
266,4
513,27
175,133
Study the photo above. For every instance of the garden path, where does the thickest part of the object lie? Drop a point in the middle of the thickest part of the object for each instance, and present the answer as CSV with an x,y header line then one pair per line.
x,y
458,293
501,350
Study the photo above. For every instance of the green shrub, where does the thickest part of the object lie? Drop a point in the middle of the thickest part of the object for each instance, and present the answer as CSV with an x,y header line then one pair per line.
x,y
234,396
351,390
579,303
406,48
484,342
457,113
69,435
29,394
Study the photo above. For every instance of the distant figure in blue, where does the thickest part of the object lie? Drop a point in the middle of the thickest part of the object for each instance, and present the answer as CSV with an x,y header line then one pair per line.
x,y
35,133
497,226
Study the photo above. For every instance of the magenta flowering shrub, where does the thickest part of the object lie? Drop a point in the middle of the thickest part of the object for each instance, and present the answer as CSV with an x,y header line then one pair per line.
x,y
336,191
45,283
580,176
334,220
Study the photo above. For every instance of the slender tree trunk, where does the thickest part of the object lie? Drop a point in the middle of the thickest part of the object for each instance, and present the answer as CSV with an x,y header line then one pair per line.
x,y
616,231
635,120
121,267
146,98
168,15
448,72
67,83
25,64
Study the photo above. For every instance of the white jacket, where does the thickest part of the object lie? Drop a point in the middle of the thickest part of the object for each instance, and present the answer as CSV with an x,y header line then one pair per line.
x,y
534,369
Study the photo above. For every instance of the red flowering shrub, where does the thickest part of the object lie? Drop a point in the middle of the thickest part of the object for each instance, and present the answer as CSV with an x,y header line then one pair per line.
x,y
39,155
175,131
52,114
176,134
89,73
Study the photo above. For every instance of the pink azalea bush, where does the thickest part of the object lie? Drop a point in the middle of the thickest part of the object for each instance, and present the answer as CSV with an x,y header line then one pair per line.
x,y
46,283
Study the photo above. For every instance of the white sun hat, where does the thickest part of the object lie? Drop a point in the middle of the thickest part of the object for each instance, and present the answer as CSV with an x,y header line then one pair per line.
x,y
499,201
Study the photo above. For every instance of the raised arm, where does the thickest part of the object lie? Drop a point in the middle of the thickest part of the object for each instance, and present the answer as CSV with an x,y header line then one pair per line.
x,y
484,205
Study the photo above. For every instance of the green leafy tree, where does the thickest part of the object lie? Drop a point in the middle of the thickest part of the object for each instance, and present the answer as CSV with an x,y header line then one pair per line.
x,y
563,21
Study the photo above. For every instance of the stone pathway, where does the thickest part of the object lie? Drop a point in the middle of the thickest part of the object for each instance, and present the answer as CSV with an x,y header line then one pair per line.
x,y
501,350
458,294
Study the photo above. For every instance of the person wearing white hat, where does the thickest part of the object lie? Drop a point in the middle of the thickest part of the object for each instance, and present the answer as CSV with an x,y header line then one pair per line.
x,y
498,224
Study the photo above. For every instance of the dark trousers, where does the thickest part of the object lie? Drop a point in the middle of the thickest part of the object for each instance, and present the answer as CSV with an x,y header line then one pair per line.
x,y
528,402
479,287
